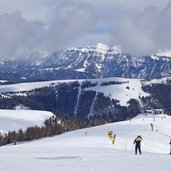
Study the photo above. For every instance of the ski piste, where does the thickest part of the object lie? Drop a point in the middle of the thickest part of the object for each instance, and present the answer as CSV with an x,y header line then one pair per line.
x,y
91,149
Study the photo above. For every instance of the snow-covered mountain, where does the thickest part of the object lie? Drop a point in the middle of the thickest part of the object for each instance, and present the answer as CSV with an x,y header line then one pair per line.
x,y
91,149
121,89
109,98
112,99
99,61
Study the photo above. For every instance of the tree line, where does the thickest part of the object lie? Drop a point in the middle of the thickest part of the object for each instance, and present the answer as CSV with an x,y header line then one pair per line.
x,y
52,127
160,96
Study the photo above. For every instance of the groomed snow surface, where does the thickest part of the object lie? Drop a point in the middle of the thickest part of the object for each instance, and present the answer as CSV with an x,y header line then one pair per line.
x,y
94,151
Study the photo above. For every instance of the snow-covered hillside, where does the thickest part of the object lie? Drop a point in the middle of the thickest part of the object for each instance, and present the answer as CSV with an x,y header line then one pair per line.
x,y
91,150
11,120
27,86
131,88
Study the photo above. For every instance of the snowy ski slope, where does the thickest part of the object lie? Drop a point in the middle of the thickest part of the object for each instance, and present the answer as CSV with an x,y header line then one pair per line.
x,y
78,151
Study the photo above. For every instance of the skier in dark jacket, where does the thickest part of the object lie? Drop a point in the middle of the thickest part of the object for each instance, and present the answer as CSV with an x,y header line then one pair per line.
x,y
137,143
170,146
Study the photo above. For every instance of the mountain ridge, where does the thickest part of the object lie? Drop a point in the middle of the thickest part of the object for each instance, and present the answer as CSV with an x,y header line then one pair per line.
x,y
99,61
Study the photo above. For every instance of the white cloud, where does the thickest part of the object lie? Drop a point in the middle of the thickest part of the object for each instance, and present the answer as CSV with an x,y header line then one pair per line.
x,y
146,32
20,35
70,21
139,26
16,32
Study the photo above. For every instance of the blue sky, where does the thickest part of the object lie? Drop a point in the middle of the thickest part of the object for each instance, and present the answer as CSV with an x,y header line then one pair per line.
x,y
37,27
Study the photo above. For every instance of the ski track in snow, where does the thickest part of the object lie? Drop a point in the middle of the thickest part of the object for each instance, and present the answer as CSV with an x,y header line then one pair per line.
x,y
78,99
92,105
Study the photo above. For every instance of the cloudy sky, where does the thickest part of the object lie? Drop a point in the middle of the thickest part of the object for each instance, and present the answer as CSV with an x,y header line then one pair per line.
x,y
37,27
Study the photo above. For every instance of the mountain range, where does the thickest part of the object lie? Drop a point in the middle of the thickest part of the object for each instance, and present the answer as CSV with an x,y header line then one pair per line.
x,y
84,85
84,63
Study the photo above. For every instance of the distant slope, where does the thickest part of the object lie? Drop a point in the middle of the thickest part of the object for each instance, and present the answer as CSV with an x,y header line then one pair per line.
x,y
124,91
13,120
19,87
108,98
112,99
128,89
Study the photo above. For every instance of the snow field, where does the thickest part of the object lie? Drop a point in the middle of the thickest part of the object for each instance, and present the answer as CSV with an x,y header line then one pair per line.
x,y
78,151
11,120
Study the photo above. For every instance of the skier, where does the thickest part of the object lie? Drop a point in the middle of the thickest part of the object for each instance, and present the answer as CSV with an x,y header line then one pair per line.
x,y
137,143
151,126
170,146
